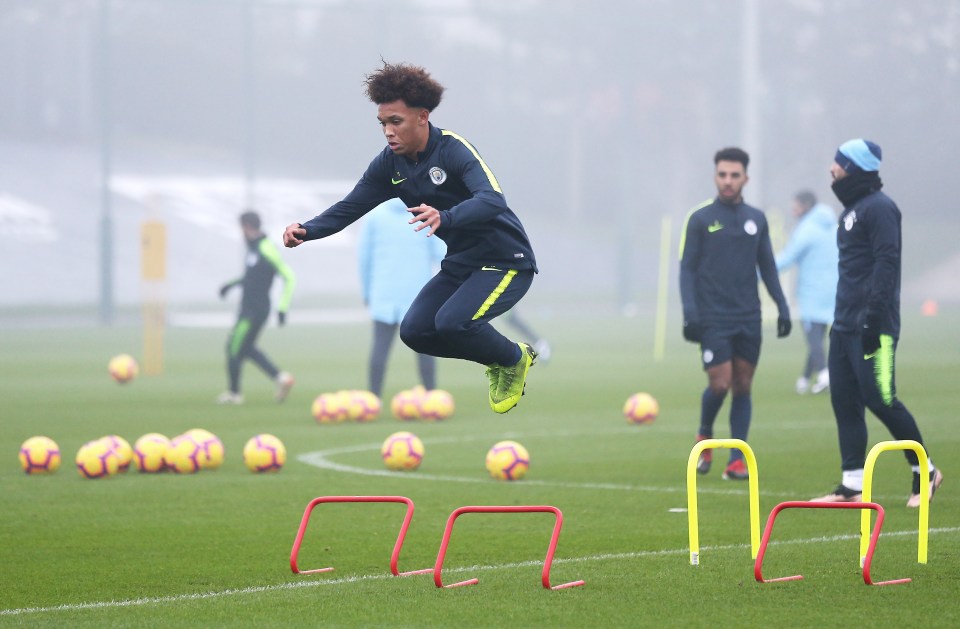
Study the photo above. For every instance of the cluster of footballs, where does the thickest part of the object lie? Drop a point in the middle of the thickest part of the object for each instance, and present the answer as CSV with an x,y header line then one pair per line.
x,y
506,460
198,449
191,452
365,406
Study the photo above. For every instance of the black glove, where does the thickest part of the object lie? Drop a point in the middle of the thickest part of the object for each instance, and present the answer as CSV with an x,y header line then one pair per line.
x,y
692,331
870,336
281,318
783,327
226,289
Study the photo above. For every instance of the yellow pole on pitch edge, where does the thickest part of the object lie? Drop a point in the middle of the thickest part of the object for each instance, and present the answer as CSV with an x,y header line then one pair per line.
x,y
753,481
153,274
660,325
924,526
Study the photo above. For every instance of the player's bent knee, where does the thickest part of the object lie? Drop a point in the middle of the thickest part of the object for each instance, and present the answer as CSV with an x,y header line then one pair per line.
x,y
450,327
414,336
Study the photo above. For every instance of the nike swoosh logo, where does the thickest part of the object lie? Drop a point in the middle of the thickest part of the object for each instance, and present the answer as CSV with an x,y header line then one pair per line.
x,y
396,181
489,268
714,228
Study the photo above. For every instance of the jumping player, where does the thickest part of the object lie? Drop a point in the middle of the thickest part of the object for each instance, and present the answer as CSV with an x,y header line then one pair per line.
x,y
452,192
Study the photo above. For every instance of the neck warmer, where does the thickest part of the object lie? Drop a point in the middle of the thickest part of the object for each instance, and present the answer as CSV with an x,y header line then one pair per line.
x,y
856,185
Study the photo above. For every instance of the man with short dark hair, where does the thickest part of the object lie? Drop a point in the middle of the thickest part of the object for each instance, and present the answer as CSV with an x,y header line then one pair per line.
x,y
724,243
263,263
866,322
452,192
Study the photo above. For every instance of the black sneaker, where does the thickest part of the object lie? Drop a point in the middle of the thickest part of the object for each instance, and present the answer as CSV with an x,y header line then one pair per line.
x,y
840,494
705,460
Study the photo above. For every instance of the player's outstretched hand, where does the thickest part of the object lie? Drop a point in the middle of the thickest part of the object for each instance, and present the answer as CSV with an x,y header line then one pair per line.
x,y
427,216
783,327
692,331
226,289
293,235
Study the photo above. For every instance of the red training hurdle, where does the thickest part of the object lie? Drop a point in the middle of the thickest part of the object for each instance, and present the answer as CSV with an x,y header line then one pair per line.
x,y
547,562
868,558
394,557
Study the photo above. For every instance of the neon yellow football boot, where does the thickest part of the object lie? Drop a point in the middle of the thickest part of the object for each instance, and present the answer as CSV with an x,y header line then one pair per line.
x,y
513,379
493,373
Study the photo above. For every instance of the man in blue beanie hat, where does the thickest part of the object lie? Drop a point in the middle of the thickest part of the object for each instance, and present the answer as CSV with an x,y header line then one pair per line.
x,y
866,323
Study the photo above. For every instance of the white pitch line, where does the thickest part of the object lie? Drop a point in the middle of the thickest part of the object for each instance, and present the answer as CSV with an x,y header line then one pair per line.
x,y
321,459
261,589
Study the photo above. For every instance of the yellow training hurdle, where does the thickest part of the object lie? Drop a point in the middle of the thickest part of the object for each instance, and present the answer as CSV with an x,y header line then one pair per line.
x,y
924,525
754,486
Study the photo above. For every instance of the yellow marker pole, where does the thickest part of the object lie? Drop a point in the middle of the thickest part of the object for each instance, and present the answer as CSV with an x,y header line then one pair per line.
x,y
924,525
754,487
660,326
153,272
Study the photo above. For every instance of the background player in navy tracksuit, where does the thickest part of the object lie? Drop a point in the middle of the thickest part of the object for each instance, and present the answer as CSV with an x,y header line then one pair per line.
x,y
449,190
866,323
262,263
724,243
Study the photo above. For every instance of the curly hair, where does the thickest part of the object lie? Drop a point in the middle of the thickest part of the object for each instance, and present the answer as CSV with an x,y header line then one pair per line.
x,y
399,81
732,154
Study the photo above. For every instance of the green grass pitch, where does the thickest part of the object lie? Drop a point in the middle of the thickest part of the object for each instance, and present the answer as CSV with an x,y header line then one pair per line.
x,y
212,549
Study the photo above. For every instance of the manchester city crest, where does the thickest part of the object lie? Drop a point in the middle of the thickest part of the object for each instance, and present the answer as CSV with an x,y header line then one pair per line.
x,y
437,175
849,220
750,227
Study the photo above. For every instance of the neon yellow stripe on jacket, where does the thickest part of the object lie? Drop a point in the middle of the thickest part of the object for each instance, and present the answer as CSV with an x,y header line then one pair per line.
x,y
270,252
483,164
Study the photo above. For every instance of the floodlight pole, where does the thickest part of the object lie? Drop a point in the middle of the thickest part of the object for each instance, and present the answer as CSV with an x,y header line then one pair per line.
x,y
249,105
751,127
106,210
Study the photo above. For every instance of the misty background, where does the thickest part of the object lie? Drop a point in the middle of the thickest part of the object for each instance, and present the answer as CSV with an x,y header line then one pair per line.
x,y
600,119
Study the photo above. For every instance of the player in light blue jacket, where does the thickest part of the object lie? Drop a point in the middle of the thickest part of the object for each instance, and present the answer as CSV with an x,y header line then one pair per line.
x,y
812,247
395,262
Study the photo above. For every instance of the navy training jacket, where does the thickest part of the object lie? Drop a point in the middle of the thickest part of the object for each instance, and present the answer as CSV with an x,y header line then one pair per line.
x,y
475,223
722,248
869,240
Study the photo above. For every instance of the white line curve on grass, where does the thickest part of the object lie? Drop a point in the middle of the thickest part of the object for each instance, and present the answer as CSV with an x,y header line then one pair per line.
x,y
321,459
